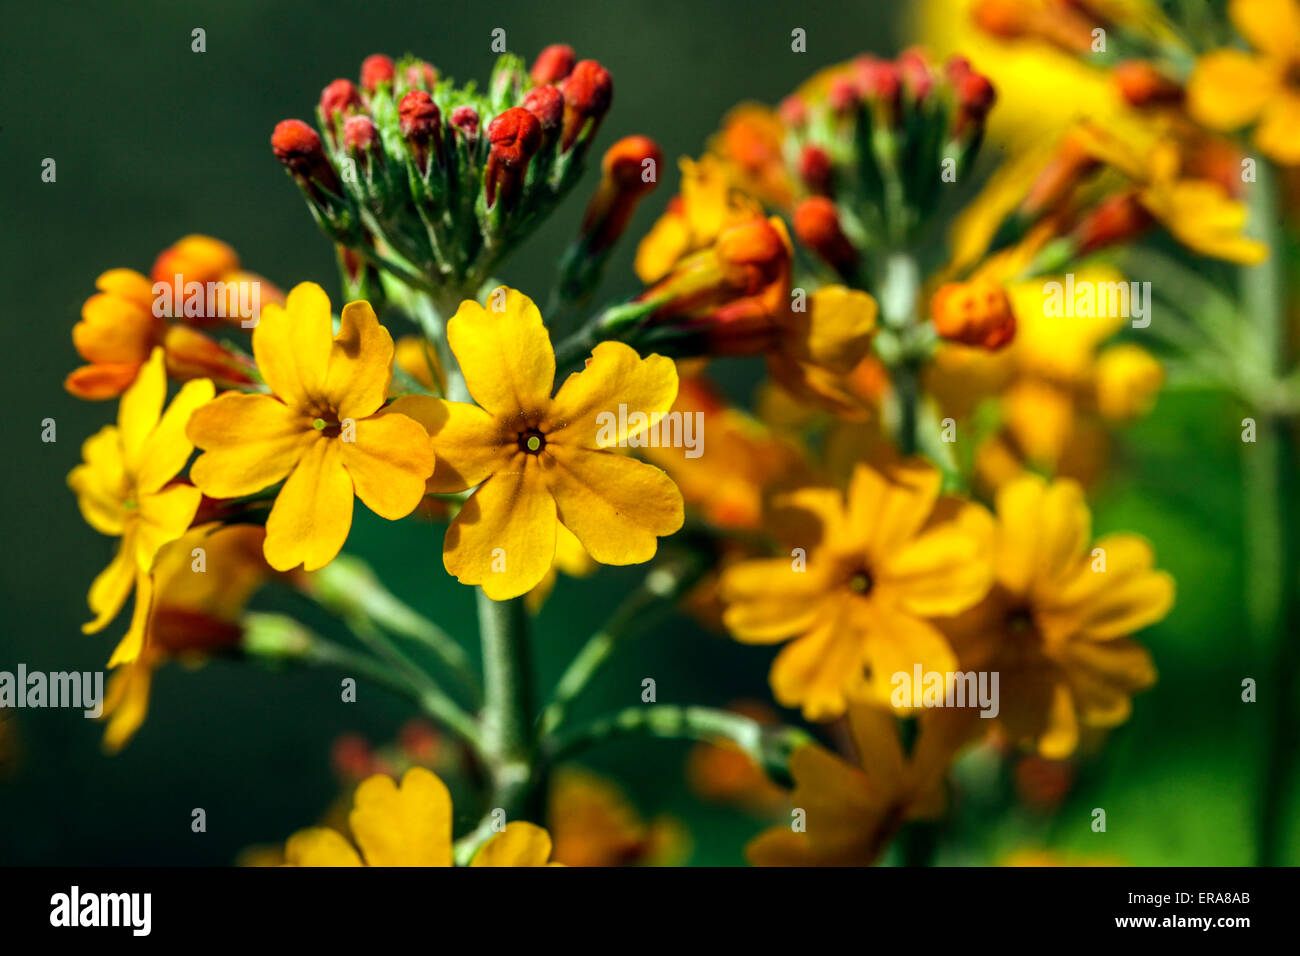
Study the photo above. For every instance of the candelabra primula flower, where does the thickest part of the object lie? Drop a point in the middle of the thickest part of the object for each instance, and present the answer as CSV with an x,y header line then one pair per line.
x,y
324,430
410,825
195,612
1056,624
1230,88
594,823
859,599
125,488
539,461
853,812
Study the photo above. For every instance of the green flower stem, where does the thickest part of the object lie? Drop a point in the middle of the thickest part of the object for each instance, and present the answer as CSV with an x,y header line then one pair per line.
x,y
348,586
769,747
900,288
1268,479
431,697
507,683
648,603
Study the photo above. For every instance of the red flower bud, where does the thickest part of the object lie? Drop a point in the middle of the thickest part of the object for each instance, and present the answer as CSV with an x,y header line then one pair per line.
x,y
918,80
547,104
817,224
842,95
298,148
1141,84
815,169
553,64
465,119
360,133
623,182
419,114
339,97
421,76
976,313
1116,219
588,92
376,69
793,111
515,137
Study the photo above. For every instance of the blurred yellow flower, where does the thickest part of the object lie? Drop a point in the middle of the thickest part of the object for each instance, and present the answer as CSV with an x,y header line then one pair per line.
x,y
124,488
853,812
594,824
1230,89
1056,624
859,597
323,428
410,825
541,461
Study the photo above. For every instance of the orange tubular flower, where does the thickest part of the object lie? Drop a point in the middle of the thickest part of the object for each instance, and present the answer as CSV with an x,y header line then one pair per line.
x,y
622,185
974,313
324,428
817,224
117,332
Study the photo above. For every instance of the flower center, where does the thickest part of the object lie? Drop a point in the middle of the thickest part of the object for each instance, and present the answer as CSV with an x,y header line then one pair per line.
x,y
531,441
329,427
1291,76
860,582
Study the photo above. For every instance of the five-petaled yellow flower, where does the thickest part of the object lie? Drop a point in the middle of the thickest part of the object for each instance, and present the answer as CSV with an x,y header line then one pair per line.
x,y
881,564
410,825
1055,625
1231,88
324,428
541,461
125,488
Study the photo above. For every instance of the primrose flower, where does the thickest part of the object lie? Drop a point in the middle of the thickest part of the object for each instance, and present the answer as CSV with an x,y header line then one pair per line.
x,y
195,612
410,825
1056,624
858,601
594,823
125,488
541,461
324,428
855,811
1230,89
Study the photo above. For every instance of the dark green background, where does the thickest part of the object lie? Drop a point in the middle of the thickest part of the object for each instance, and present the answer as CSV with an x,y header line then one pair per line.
x,y
153,142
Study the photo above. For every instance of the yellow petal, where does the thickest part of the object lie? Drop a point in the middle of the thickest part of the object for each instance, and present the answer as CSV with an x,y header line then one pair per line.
x,y
406,826
126,704
312,515
167,448
1229,88
837,329
250,443
1278,134
616,506
292,345
1061,734
505,356
112,586
360,363
586,408
141,404
893,505
504,537
519,844
942,572
819,671
667,241
467,442
133,643
389,462
164,517
875,738
100,483
1043,531
769,600
319,846
896,643
1270,25
1100,605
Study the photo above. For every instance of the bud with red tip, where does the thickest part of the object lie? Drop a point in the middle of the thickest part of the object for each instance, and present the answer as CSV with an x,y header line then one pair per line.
x,y
588,93
815,169
1117,218
553,64
191,354
376,70
976,313
464,119
793,111
421,76
547,104
515,137
339,97
817,224
1142,85
421,123
1072,163
299,149
917,78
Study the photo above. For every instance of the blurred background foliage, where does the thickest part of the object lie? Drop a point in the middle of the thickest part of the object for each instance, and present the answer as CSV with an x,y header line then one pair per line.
x,y
154,142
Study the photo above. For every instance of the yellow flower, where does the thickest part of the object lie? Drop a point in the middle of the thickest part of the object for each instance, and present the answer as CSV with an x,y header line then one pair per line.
x,y
880,566
541,461
854,812
195,611
1232,88
124,489
1128,379
594,824
706,207
324,428
410,825
1055,626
